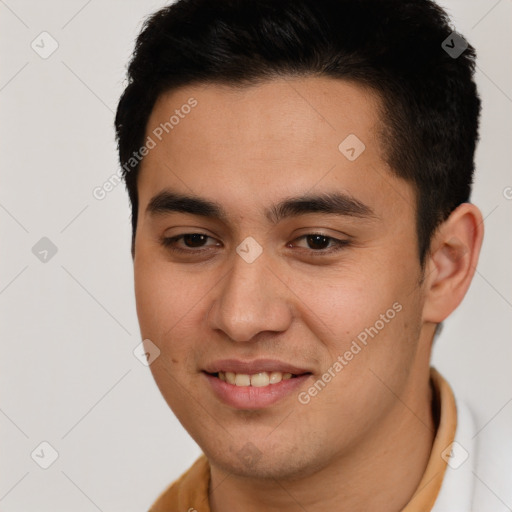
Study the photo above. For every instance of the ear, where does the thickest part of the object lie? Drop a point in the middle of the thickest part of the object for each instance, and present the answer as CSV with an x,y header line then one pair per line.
x,y
452,261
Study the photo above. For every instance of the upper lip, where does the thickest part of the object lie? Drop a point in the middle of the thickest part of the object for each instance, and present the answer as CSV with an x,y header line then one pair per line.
x,y
254,366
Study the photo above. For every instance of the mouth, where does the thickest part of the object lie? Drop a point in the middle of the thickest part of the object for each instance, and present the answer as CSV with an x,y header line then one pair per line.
x,y
256,380
254,385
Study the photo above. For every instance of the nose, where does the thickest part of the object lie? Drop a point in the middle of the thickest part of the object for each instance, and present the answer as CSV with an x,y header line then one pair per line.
x,y
251,299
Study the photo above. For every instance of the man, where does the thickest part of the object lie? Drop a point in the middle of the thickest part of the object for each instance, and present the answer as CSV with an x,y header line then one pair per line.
x,y
300,174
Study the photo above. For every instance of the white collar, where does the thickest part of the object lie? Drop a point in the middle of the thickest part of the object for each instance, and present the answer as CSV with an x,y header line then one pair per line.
x,y
456,493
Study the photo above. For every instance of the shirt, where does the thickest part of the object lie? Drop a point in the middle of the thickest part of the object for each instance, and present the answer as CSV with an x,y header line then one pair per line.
x,y
190,491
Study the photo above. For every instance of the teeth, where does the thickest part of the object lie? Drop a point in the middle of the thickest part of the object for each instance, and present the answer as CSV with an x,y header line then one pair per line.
x,y
242,379
275,377
256,380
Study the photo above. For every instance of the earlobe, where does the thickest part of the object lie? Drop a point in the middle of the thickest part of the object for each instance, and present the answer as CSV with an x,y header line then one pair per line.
x,y
455,249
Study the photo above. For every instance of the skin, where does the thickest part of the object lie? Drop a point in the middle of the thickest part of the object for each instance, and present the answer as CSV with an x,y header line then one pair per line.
x,y
363,442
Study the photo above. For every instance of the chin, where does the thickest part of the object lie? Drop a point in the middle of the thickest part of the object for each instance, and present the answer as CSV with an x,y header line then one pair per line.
x,y
270,462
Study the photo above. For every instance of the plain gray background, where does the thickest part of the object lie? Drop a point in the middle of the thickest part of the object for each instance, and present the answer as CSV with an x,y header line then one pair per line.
x,y
68,374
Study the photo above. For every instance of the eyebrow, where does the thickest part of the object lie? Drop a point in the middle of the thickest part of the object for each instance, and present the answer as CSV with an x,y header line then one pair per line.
x,y
334,203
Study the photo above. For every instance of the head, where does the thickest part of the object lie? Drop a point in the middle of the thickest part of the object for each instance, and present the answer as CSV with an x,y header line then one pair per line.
x,y
318,158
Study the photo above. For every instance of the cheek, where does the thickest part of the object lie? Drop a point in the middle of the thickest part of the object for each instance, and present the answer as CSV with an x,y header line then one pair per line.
x,y
172,305
369,314
344,302
367,356
153,296
167,307
164,297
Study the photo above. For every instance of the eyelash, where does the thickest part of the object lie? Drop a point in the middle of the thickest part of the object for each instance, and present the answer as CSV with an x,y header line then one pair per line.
x,y
338,244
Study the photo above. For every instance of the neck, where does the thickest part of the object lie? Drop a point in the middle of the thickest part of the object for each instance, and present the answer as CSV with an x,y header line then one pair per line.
x,y
381,473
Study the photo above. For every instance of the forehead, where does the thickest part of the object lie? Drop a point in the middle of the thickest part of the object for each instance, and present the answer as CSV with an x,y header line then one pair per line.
x,y
283,137
269,119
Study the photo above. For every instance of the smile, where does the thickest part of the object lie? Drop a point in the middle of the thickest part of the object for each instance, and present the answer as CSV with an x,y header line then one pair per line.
x,y
257,380
254,391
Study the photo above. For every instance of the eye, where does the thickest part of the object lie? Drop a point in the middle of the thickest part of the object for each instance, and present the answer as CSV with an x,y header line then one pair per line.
x,y
190,240
322,244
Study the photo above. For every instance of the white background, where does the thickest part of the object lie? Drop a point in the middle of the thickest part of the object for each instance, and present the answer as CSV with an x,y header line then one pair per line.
x,y
68,327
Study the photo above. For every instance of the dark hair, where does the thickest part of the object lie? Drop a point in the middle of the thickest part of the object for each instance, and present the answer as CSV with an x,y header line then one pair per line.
x,y
395,47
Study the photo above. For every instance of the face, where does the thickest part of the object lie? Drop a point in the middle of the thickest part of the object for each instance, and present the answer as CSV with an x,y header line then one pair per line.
x,y
270,241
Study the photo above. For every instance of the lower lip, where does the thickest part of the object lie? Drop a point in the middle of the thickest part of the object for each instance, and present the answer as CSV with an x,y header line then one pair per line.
x,y
252,398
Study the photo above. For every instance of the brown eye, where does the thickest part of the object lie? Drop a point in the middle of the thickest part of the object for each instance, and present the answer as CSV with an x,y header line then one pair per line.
x,y
318,242
194,239
189,243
